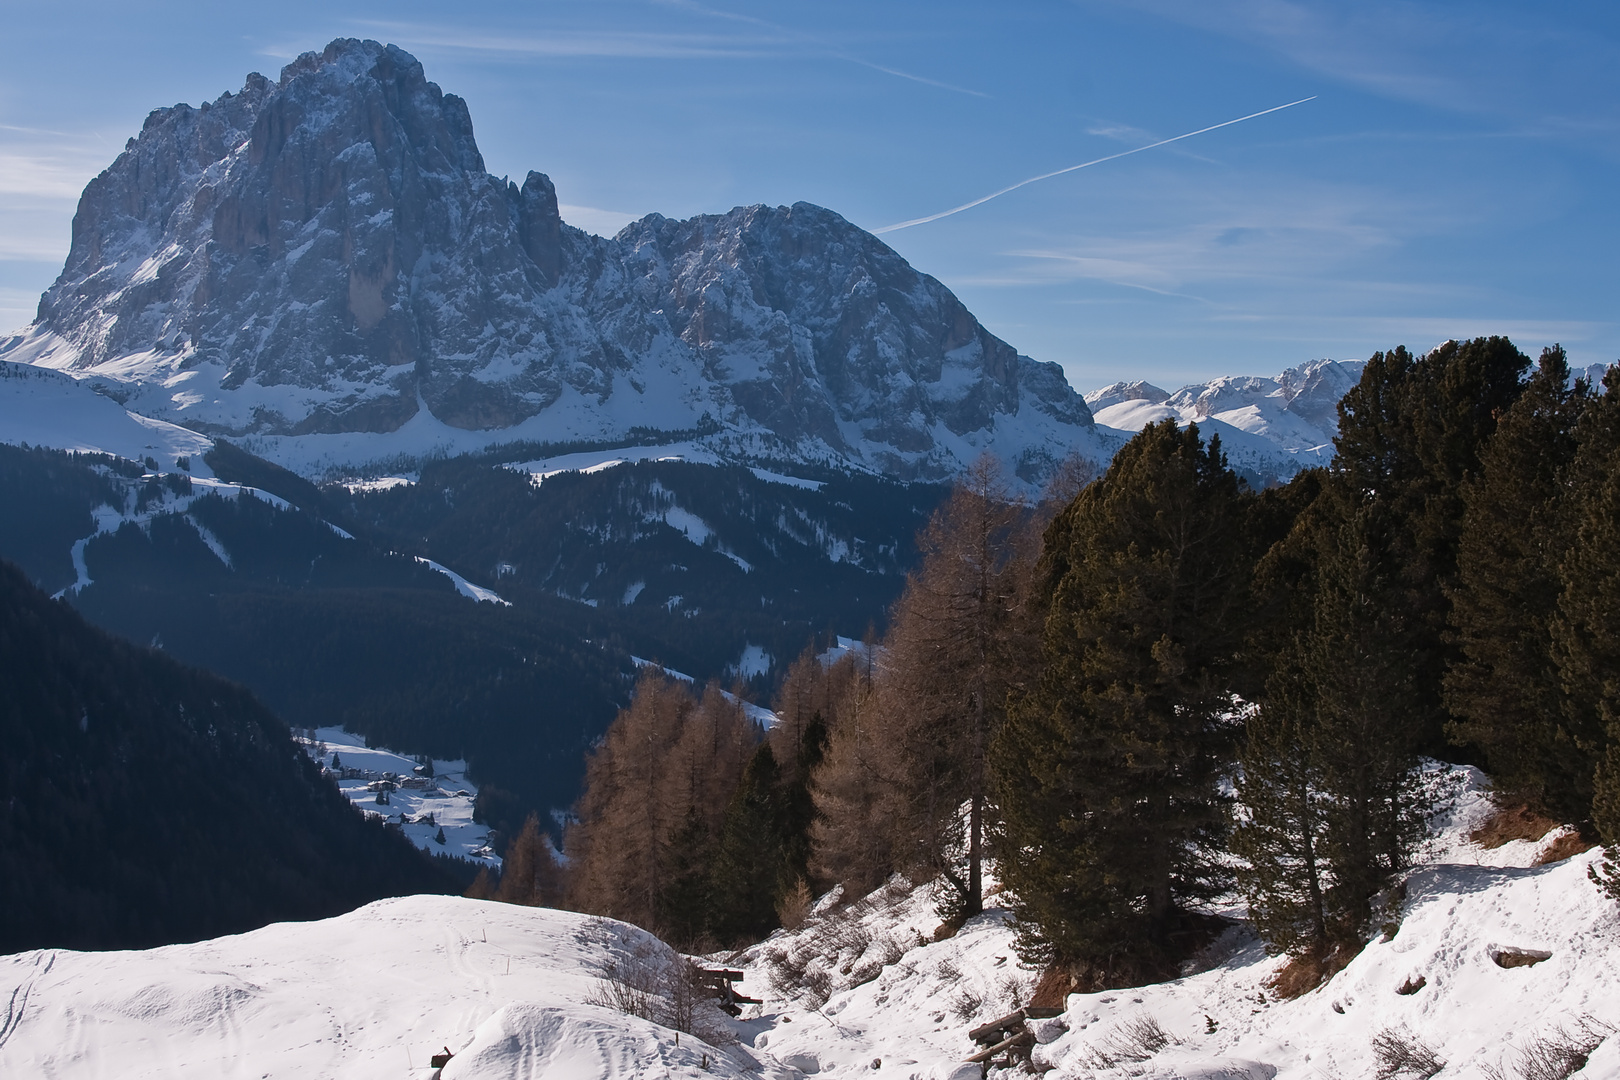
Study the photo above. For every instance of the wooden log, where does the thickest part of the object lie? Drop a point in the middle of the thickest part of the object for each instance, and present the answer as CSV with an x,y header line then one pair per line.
x,y
1011,1043
992,1030
1042,1012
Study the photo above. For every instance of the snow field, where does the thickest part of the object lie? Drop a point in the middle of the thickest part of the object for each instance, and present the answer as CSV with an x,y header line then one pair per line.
x,y
41,407
370,994
857,988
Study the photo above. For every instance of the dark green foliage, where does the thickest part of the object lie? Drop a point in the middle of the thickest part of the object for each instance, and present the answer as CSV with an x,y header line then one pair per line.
x,y
1279,838
748,876
233,464
143,802
1360,733
48,498
1505,690
1108,772
1410,434
1586,628
798,807
602,537
687,904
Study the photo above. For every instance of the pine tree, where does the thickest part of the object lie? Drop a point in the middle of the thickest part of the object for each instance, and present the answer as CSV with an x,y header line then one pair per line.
x,y
1410,434
1505,691
686,903
749,867
1108,772
1586,629
1279,836
797,804
1330,804
1361,737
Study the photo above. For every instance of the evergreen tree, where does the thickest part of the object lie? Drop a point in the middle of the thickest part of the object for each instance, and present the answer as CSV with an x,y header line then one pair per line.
x,y
1586,628
686,909
1361,737
1279,836
1410,434
1108,771
797,804
1330,806
748,875
1505,690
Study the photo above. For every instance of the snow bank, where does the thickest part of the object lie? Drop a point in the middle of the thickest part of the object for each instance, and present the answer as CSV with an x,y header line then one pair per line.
x,y
368,994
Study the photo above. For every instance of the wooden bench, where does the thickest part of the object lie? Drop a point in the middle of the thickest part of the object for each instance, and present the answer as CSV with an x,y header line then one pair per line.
x,y
721,983
1008,1035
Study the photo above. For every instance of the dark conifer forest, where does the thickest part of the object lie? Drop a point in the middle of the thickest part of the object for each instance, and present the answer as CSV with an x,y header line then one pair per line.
x,y
144,802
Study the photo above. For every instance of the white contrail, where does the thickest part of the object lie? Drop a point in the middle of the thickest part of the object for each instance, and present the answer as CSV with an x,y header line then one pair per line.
x,y
1082,165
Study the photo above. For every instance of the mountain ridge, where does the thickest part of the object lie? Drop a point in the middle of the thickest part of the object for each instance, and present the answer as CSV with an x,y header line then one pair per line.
x,y
325,255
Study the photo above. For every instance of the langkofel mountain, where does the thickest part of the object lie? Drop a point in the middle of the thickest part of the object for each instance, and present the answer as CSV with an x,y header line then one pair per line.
x,y
326,255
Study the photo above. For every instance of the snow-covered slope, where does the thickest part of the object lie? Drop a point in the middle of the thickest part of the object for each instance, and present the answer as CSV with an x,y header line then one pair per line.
x,y
41,407
370,994
858,986
1271,427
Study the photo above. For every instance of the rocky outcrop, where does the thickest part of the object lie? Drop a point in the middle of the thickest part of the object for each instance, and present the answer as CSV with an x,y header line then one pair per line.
x,y
326,253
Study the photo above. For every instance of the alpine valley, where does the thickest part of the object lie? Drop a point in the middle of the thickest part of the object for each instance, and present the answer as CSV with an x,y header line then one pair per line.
x,y
703,442
353,505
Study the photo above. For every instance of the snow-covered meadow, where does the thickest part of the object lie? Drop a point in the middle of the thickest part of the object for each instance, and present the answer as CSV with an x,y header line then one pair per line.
x,y
858,989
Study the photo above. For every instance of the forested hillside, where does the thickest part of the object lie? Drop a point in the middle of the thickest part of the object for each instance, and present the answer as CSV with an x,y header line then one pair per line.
x,y
144,802
1166,687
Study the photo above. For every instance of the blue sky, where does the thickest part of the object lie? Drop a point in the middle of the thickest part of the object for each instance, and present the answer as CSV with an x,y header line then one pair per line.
x,y
1456,173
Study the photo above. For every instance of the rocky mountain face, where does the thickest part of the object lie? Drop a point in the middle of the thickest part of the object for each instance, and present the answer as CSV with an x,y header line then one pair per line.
x,y
327,254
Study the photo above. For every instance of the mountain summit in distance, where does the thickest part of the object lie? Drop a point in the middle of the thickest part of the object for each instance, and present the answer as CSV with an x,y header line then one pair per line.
x,y
325,256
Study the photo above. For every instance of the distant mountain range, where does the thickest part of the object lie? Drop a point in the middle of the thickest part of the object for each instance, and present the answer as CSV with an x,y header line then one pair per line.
x,y
322,267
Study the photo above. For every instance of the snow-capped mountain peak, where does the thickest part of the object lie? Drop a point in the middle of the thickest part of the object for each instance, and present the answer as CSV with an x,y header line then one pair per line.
x,y
326,254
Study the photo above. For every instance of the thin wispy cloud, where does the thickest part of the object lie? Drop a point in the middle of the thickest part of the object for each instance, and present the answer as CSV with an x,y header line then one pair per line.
x,y
1452,58
45,175
897,73
1120,132
1083,165
816,42
620,44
